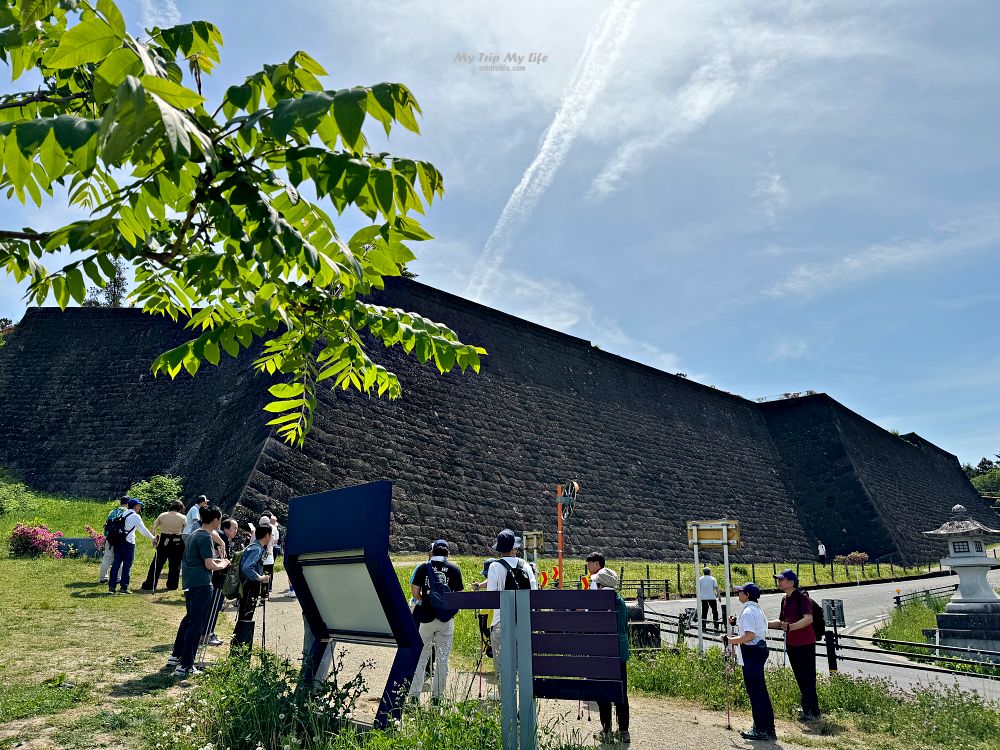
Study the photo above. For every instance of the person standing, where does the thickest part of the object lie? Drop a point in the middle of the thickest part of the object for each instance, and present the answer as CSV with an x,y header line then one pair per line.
x,y
436,628
795,619
750,646
605,578
268,520
507,572
227,533
109,550
194,516
708,596
167,529
199,563
252,579
821,551
125,550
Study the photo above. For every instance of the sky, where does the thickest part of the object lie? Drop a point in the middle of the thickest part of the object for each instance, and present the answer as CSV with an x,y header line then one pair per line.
x,y
768,197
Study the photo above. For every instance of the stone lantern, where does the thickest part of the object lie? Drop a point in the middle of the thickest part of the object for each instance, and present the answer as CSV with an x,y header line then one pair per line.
x,y
972,617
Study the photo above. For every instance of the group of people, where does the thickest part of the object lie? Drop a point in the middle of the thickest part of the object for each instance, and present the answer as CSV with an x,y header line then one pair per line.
x,y
198,547
795,619
506,572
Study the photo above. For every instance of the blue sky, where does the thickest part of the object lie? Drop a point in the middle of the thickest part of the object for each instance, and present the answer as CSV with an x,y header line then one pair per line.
x,y
768,197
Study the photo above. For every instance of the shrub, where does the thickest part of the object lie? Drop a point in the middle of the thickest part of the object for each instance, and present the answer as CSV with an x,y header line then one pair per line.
x,y
97,536
157,493
14,496
841,560
988,483
34,540
857,558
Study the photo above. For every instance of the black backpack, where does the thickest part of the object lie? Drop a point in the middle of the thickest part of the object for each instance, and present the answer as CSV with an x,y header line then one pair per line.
x,y
114,531
517,577
819,620
436,587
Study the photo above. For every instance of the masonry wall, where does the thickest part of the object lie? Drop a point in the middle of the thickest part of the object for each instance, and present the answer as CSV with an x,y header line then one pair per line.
x,y
472,454
81,413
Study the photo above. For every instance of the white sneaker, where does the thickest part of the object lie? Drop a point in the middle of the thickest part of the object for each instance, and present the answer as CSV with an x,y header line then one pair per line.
x,y
180,672
194,672
173,661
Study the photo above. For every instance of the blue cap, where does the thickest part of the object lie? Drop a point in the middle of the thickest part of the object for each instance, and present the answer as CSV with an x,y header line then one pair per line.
x,y
439,545
789,574
751,589
132,502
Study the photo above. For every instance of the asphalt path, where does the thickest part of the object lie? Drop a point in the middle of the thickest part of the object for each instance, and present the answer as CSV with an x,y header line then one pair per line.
x,y
864,607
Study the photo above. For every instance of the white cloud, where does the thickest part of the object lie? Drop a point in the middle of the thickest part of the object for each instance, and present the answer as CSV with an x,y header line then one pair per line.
x,y
603,49
791,347
956,237
773,195
162,13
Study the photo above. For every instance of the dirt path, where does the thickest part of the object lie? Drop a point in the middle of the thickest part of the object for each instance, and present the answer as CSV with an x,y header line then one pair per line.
x,y
655,722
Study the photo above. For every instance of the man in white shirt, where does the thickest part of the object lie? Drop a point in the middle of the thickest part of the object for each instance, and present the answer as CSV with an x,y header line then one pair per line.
x,y
125,552
194,516
750,645
507,572
821,551
708,594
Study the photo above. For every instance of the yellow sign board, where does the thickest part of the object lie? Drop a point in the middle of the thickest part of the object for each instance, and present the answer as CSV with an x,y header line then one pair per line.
x,y
714,533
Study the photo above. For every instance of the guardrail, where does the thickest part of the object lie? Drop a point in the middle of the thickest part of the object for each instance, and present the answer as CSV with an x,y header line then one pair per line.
x,y
928,594
833,646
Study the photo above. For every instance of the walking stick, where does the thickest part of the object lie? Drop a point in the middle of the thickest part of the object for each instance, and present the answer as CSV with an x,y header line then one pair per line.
x,y
203,642
263,628
729,665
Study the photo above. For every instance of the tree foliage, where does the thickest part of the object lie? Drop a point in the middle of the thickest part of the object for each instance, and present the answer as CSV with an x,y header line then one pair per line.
x,y
115,291
988,483
212,207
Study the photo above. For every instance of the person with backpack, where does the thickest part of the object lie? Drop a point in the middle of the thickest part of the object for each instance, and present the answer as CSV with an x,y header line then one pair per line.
x,y
109,550
605,578
430,582
750,646
251,581
200,561
121,535
797,619
506,573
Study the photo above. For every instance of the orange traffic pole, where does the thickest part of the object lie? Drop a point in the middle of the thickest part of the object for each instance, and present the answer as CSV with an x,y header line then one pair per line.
x,y
559,492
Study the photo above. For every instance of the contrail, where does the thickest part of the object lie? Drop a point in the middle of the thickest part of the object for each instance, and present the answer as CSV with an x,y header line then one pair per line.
x,y
601,52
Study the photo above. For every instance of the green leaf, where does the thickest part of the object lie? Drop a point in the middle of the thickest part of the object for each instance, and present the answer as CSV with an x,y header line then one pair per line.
x,y
212,352
285,405
382,190
349,112
175,125
17,167
36,10
305,112
173,93
110,73
112,15
52,156
286,390
87,42
76,284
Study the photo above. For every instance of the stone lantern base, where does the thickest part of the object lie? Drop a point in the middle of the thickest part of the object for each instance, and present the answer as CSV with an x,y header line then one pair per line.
x,y
977,628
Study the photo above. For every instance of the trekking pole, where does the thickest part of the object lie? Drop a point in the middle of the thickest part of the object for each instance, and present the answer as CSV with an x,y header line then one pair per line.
x,y
263,628
203,642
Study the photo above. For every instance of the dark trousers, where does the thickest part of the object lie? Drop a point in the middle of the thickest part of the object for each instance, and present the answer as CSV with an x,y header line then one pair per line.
x,y
265,590
822,559
170,549
121,566
604,707
243,635
705,604
803,662
199,602
754,659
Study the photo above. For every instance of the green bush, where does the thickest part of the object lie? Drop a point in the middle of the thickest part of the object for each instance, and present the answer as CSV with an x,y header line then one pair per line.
x,y
157,493
15,497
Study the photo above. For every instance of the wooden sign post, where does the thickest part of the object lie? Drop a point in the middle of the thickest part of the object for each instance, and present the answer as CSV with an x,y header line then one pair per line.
x,y
712,535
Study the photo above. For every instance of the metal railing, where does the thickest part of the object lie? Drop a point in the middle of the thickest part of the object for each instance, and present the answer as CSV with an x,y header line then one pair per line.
x,y
833,647
937,592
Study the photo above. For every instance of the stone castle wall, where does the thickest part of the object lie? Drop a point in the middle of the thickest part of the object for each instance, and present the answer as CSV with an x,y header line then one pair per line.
x,y
469,454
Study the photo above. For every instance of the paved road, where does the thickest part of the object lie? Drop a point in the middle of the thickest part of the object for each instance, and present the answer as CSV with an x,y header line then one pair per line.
x,y
864,606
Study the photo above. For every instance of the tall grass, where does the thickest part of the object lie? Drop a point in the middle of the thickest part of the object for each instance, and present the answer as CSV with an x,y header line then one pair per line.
x,y
255,704
935,716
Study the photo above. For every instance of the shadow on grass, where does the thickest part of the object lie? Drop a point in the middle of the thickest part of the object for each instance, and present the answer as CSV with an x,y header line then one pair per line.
x,y
85,585
92,594
824,728
150,683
